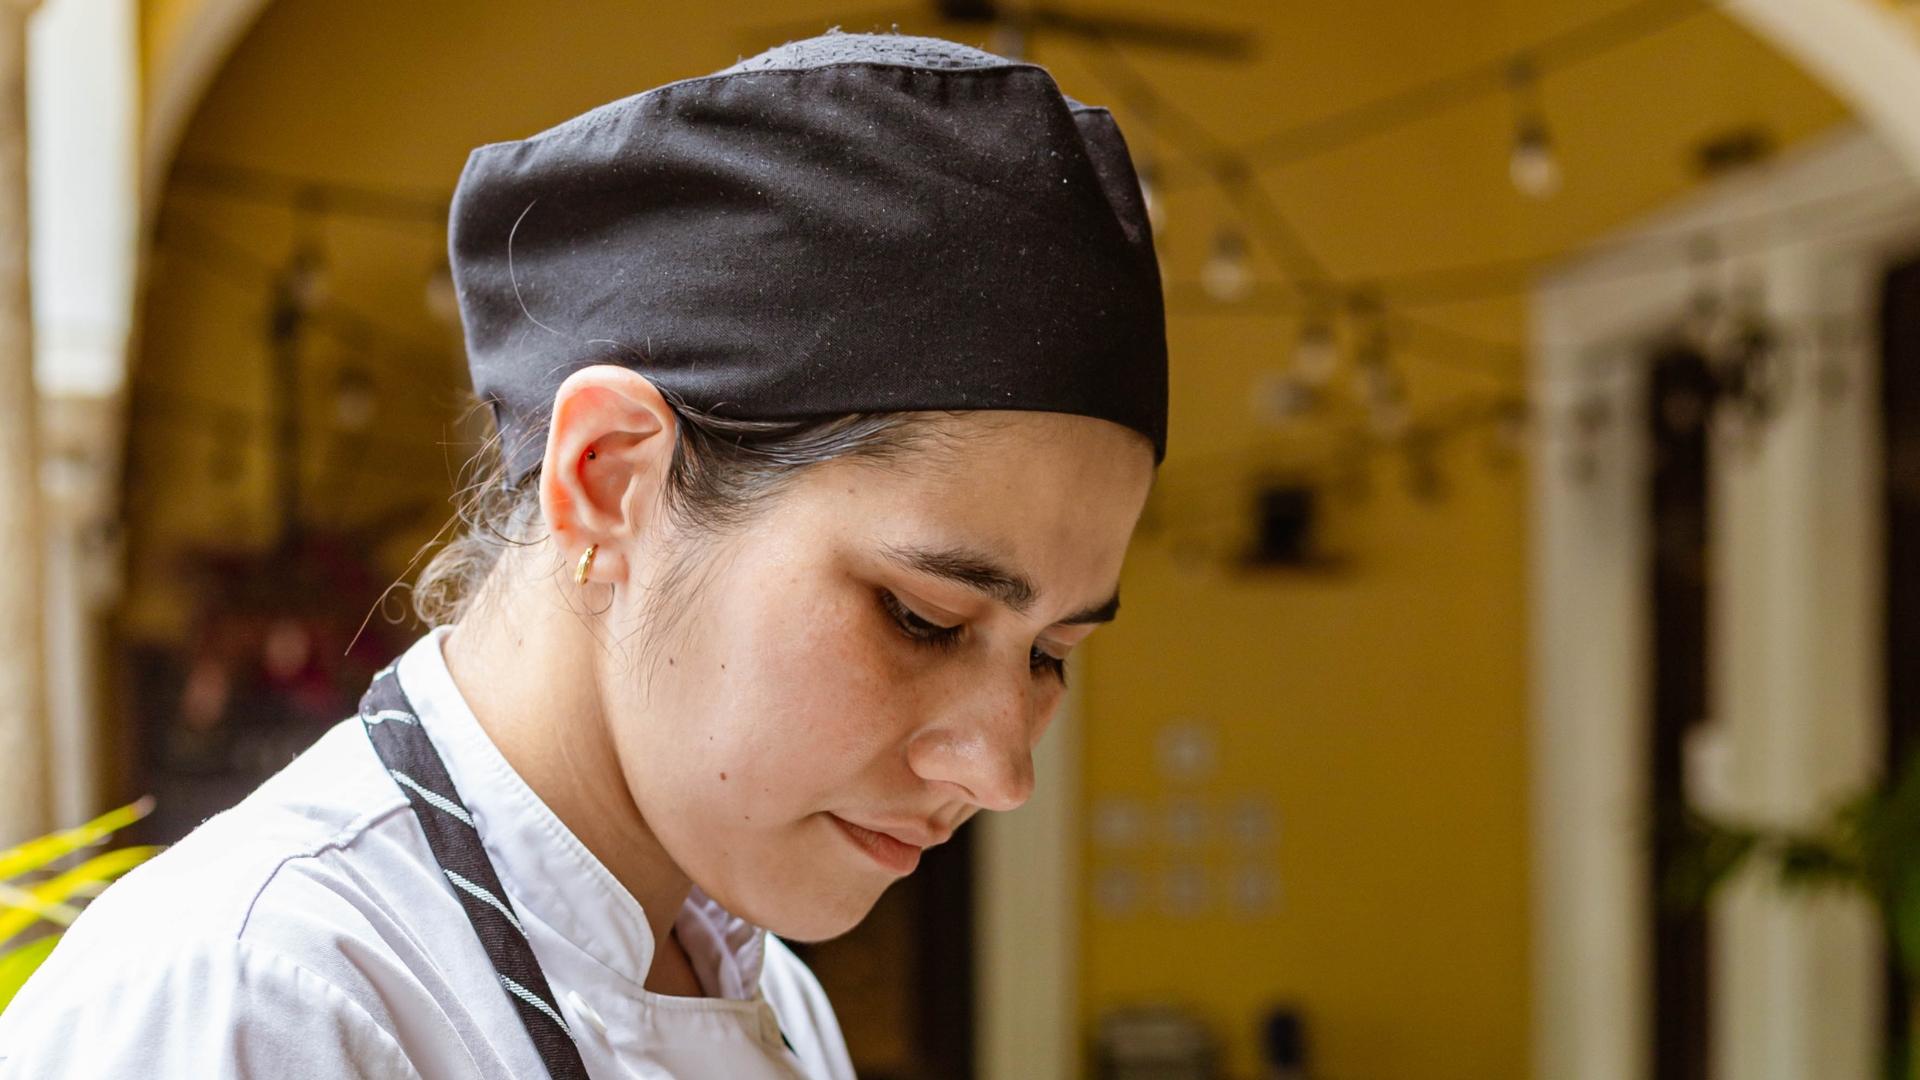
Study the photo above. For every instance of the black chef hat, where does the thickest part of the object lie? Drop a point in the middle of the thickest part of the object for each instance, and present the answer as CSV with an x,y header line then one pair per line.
x,y
852,223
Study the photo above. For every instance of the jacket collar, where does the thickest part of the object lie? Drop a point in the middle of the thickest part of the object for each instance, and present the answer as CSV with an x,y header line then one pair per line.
x,y
547,870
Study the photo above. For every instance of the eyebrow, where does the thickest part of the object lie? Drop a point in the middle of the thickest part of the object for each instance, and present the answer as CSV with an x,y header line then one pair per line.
x,y
1099,613
984,575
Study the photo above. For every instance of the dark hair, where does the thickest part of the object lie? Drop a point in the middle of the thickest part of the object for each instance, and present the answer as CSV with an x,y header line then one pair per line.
x,y
723,472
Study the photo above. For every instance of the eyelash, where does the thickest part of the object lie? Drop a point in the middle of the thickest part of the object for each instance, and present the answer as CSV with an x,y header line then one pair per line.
x,y
917,628
1054,666
945,637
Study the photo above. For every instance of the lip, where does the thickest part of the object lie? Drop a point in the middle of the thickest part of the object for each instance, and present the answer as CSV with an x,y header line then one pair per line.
x,y
895,856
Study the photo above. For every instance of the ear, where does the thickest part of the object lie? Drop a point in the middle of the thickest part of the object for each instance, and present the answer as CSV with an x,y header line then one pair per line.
x,y
602,482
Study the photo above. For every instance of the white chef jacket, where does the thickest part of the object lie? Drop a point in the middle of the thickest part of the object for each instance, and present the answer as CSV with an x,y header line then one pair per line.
x,y
308,932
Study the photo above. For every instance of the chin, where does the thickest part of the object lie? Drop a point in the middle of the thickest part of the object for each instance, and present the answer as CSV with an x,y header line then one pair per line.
x,y
815,910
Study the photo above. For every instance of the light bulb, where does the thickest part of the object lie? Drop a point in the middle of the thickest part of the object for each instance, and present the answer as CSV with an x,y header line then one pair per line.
x,y
1226,277
307,285
1534,168
1280,399
355,401
1315,355
1385,400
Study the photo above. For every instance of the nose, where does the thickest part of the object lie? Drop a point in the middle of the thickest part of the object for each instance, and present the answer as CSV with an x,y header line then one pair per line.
x,y
981,748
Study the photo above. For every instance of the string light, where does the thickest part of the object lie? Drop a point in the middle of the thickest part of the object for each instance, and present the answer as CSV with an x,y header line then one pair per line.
x,y
1612,31
305,286
1387,412
1533,167
1226,277
355,401
1316,355
1280,398
1382,392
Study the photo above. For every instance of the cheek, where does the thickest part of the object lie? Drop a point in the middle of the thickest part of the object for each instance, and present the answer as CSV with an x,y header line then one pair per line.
x,y
796,704
818,696
791,696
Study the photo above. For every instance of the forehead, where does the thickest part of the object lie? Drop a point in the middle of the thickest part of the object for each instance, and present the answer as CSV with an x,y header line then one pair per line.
x,y
1055,495
990,439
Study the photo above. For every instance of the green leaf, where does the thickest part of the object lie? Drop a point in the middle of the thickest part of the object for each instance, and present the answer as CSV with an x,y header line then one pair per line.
x,y
1814,862
1707,855
16,965
35,854
1888,826
79,881
12,896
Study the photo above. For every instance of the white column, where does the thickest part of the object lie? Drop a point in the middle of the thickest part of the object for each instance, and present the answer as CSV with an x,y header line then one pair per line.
x,y
23,786
1588,629
1027,964
83,71
1796,626
1796,650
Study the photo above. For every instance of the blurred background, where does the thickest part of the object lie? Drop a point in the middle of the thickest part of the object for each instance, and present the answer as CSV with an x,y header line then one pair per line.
x,y
1541,522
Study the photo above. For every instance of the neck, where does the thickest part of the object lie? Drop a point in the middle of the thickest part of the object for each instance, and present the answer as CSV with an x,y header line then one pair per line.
x,y
524,662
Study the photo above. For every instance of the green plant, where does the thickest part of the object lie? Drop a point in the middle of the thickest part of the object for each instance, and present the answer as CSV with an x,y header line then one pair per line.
x,y
1870,844
43,882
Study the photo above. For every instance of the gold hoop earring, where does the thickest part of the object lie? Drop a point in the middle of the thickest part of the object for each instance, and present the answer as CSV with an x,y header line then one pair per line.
x,y
585,564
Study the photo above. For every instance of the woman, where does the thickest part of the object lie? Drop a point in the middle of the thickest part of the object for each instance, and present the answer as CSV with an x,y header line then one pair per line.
x,y
829,389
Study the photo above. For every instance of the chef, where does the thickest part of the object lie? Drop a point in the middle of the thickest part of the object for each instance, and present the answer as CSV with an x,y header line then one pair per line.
x,y
828,391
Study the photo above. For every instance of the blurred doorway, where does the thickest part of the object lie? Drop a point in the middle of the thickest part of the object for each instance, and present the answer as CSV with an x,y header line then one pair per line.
x,y
902,982
1680,399
1708,617
1900,398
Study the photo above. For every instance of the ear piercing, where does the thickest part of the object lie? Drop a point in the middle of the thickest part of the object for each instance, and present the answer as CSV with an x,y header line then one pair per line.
x,y
586,557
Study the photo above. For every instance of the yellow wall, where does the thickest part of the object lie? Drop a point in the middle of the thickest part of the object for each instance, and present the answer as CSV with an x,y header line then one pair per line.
x,y
1378,708
163,24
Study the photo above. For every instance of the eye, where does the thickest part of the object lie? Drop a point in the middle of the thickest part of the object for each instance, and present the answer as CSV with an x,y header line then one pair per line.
x,y
1042,661
916,626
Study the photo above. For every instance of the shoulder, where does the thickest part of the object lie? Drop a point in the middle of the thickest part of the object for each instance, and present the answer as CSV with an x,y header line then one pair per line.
x,y
332,799
246,925
806,1016
193,1006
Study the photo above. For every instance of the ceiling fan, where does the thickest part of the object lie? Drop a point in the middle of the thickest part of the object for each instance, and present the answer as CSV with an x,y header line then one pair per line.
x,y
1013,25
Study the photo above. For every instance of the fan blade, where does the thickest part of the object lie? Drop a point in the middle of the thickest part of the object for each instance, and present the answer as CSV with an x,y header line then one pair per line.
x,y
968,11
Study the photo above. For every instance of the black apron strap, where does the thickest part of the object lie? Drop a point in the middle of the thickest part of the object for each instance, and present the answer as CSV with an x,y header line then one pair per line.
x,y
415,765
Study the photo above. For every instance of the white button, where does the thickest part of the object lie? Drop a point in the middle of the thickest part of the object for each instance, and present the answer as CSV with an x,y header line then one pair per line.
x,y
586,1013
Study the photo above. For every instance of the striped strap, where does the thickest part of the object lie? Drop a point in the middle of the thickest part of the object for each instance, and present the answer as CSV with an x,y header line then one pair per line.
x,y
415,765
